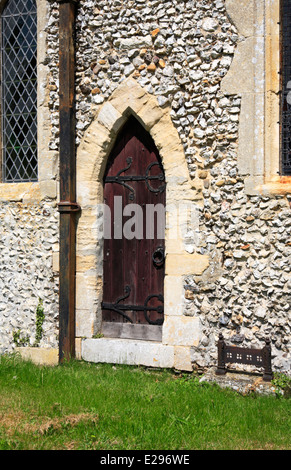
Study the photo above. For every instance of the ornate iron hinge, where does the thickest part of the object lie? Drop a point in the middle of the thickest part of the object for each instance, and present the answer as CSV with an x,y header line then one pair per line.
x,y
121,308
123,180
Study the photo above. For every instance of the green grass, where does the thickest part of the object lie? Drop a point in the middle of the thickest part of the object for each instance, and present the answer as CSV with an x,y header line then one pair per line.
x,y
92,406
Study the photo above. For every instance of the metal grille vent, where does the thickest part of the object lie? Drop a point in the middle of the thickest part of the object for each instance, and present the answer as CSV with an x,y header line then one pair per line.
x,y
286,87
19,90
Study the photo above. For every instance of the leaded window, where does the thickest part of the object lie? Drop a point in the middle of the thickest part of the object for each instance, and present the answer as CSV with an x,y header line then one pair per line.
x,y
286,87
19,91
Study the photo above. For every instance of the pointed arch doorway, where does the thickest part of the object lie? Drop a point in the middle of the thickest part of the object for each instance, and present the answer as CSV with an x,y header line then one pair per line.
x,y
134,237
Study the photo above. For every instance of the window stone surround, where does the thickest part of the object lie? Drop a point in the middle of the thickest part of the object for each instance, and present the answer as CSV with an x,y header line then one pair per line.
x,y
46,186
254,74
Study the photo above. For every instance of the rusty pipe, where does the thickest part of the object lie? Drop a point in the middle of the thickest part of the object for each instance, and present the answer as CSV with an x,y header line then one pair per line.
x,y
67,207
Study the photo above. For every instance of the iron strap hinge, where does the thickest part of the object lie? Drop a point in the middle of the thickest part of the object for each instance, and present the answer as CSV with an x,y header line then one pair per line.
x,y
120,308
147,178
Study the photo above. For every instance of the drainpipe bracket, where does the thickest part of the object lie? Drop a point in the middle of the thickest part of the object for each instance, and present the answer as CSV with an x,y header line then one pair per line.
x,y
68,207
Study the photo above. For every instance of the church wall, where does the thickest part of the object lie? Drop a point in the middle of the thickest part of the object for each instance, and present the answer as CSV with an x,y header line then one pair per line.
x,y
29,219
201,63
181,52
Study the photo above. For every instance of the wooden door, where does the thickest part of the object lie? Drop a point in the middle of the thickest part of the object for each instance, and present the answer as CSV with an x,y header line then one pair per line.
x,y
133,267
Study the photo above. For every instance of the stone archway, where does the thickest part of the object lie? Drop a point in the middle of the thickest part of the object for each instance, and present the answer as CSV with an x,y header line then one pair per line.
x,y
179,332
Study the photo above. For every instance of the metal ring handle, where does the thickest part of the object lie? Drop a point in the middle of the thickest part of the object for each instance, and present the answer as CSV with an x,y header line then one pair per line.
x,y
159,256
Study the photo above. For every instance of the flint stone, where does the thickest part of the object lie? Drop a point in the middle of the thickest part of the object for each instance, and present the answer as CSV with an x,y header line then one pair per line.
x,y
210,24
134,42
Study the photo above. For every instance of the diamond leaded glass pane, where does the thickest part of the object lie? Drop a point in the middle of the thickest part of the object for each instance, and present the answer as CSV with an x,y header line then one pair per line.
x,y
19,90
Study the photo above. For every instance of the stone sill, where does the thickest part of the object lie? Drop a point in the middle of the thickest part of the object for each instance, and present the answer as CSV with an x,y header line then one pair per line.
x,y
137,353
273,186
129,352
28,192
279,185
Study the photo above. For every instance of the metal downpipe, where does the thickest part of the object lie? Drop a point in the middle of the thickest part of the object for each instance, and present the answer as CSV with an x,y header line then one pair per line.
x,y
67,207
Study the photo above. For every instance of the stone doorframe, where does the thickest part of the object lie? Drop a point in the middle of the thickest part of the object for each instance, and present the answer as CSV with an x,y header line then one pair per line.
x,y
180,332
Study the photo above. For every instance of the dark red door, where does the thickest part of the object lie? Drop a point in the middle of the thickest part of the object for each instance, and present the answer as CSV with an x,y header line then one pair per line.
x,y
133,268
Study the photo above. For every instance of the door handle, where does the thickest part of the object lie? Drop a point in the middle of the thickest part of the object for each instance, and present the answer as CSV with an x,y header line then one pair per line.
x,y
159,256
